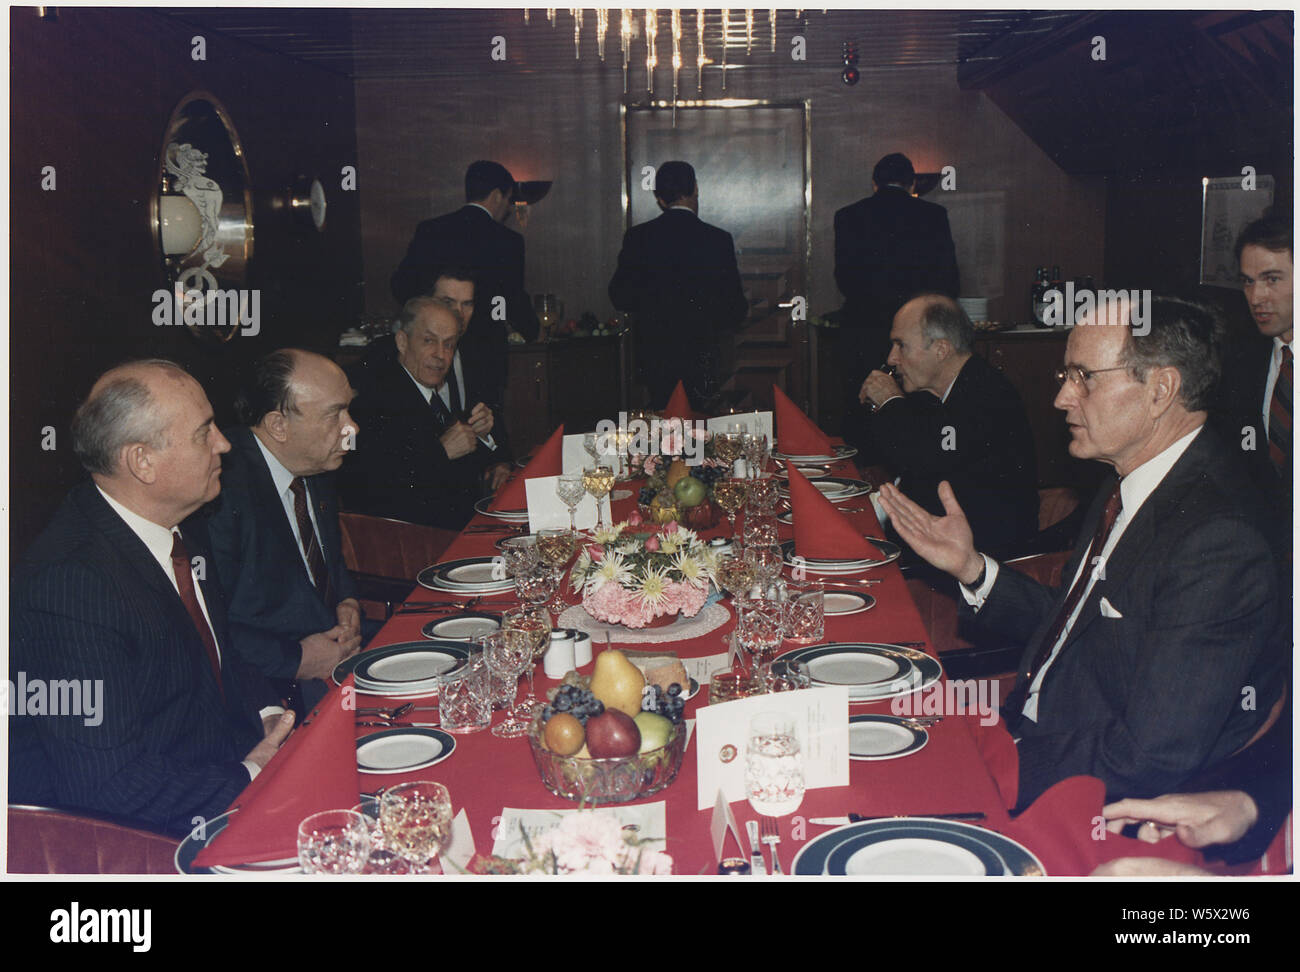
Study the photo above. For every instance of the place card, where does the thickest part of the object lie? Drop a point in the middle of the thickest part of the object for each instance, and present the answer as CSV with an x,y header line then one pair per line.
x,y
821,718
701,668
722,821
650,820
460,849
547,511
754,421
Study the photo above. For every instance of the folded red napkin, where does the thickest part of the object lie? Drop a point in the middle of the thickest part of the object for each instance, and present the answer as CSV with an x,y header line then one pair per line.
x,y
315,770
1065,830
548,461
998,750
796,435
679,406
820,530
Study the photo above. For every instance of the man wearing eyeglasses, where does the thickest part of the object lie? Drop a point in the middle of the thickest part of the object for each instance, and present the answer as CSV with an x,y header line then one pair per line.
x,y
1160,654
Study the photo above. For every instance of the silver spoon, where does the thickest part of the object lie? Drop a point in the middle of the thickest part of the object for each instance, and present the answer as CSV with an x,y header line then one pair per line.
x,y
396,713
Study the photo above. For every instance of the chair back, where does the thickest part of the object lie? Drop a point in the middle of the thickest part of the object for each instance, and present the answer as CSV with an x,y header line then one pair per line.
x,y
46,841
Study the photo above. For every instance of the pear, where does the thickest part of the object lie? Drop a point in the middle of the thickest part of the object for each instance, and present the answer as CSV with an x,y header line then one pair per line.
x,y
617,682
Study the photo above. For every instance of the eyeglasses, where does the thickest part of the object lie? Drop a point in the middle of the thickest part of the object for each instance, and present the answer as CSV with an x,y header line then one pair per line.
x,y
1081,376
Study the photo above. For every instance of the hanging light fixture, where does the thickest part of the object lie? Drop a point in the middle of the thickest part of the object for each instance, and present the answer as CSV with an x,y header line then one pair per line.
x,y
726,29
699,50
651,48
771,19
577,31
749,31
626,22
550,15
602,27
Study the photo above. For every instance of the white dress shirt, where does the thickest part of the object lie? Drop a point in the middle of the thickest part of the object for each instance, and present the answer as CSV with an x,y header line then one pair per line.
x,y
158,540
283,479
1133,490
1274,366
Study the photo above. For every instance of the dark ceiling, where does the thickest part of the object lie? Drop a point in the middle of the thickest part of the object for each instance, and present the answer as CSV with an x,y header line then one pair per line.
x,y
1177,90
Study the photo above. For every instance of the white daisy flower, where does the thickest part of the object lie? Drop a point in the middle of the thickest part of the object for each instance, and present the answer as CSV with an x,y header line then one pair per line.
x,y
653,586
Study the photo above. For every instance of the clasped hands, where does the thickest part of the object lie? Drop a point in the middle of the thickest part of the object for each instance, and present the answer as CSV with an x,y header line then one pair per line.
x,y
461,438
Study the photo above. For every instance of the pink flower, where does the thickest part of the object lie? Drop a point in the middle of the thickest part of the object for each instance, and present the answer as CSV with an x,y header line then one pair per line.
x,y
635,519
595,551
651,464
652,543
670,527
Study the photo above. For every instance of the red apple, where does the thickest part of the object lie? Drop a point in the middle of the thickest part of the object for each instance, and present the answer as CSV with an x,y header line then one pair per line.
x,y
612,733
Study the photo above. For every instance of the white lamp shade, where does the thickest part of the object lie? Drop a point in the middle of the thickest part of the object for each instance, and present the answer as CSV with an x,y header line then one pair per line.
x,y
181,225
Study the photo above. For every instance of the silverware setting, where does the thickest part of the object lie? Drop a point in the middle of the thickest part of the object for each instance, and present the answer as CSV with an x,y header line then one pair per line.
x,y
400,725
756,863
770,837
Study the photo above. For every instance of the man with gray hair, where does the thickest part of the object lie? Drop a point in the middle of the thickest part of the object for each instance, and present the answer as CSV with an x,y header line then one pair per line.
x,y
1160,655
955,418
419,457
117,594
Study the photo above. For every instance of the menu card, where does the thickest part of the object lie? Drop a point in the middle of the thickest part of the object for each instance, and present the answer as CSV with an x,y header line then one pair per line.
x,y
650,820
547,511
821,718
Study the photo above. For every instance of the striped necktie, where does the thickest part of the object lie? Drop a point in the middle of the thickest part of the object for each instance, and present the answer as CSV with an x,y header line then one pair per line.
x,y
1279,417
310,544
185,587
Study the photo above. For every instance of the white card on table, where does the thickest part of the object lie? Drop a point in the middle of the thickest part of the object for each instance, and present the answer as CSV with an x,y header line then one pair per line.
x,y
701,668
821,719
724,820
572,455
547,511
753,421
650,820
460,849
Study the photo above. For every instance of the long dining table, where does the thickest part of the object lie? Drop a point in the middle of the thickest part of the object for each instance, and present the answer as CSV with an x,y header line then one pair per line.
x,y
947,776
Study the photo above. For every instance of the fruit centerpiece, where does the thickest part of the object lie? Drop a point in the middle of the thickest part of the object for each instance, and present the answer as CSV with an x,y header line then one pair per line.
x,y
675,489
635,573
613,737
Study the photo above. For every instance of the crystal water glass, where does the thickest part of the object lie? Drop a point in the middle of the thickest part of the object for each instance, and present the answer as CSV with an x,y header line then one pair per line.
x,y
761,530
570,491
764,494
735,574
529,627
519,554
768,562
774,773
760,627
333,842
416,820
805,611
508,657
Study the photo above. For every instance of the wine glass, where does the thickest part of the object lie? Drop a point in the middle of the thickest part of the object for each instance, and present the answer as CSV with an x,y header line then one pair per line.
x,y
536,584
727,446
556,548
333,842
764,494
520,555
729,494
530,628
598,480
416,820
774,778
591,442
508,658
735,574
760,626
570,490
754,448
768,561
761,529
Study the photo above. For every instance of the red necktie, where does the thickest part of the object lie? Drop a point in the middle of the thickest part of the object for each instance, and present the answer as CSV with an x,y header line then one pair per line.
x,y
1016,700
307,533
1279,416
185,584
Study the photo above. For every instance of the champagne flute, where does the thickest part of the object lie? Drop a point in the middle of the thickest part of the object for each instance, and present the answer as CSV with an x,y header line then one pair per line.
x,y
730,494
508,658
570,490
598,480
416,820
530,629
556,548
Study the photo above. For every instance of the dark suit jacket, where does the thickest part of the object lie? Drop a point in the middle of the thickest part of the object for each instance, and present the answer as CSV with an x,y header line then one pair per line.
x,y
979,440
90,602
399,468
678,276
273,603
1147,700
888,247
472,239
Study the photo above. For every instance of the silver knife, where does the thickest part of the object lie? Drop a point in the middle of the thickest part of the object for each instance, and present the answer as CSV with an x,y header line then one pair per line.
x,y
756,865
858,818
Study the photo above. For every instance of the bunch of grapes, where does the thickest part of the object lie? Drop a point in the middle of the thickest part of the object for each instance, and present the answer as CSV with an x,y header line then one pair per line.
x,y
646,496
707,474
671,705
575,700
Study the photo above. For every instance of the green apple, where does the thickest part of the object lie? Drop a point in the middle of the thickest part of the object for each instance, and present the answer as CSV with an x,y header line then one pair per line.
x,y
689,491
655,730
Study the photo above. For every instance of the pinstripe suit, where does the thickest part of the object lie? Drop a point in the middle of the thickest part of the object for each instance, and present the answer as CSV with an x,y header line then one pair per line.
x,y
90,602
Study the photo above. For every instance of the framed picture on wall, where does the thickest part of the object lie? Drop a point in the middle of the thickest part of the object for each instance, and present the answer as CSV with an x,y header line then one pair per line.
x,y
1227,205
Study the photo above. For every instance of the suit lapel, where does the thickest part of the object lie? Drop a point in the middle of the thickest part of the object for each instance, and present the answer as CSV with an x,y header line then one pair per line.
x,y
266,497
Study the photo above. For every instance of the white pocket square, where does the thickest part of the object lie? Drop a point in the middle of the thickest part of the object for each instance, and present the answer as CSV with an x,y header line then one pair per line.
x,y
1108,610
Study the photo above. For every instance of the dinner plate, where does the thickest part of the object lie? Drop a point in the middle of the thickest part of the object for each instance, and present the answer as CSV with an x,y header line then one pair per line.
x,y
889,553
873,737
456,654
808,472
841,452
462,627
847,602
402,750
926,670
189,848
469,575
922,846
514,516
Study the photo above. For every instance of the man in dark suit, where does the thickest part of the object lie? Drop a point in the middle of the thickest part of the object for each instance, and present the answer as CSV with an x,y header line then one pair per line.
x,y
888,247
678,276
1256,401
114,593
1160,655
419,458
475,236
294,614
960,420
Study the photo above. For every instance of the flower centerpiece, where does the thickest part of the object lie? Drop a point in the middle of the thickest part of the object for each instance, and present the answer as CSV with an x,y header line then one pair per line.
x,y
635,573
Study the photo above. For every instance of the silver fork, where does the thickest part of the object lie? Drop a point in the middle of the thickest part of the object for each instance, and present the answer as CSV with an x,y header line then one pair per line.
x,y
768,835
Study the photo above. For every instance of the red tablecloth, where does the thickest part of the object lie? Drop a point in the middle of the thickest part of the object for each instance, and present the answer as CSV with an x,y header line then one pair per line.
x,y
959,770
